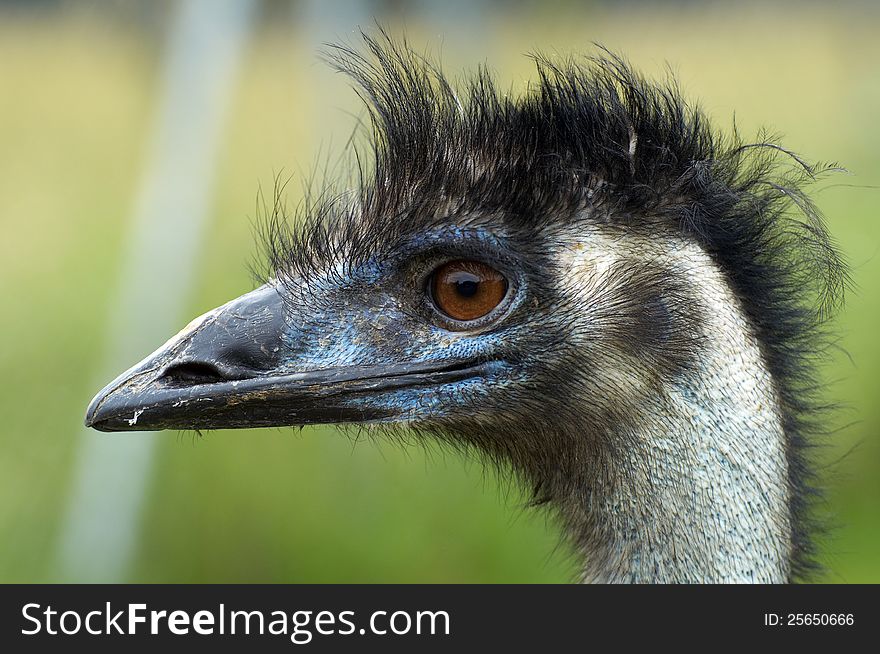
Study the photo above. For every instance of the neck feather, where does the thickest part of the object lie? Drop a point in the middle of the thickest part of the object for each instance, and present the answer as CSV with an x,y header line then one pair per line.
x,y
695,489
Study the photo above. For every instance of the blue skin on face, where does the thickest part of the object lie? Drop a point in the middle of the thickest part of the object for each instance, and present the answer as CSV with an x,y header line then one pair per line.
x,y
380,312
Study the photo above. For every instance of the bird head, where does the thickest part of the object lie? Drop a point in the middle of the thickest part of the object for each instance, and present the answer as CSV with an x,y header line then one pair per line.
x,y
502,276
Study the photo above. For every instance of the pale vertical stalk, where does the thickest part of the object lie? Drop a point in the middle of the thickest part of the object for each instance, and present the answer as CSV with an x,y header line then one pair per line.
x,y
99,533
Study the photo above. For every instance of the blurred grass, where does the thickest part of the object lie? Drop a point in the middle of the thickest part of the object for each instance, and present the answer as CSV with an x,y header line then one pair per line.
x,y
273,505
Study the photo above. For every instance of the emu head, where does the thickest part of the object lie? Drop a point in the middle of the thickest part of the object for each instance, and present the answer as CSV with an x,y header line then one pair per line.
x,y
527,277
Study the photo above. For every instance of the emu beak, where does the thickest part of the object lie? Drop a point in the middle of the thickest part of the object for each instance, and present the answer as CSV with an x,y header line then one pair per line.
x,y
226,370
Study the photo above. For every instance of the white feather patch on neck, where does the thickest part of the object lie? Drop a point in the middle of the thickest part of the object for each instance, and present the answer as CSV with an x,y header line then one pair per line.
x,y
698,491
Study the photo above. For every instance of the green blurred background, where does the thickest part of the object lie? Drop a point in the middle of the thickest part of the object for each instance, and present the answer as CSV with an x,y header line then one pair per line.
x,y
81,86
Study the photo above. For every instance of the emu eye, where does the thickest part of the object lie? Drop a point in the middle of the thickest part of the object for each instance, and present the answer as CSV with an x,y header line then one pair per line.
x,y
466,290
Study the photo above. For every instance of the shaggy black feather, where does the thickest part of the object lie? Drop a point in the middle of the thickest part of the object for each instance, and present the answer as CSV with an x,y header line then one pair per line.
x,y
590,134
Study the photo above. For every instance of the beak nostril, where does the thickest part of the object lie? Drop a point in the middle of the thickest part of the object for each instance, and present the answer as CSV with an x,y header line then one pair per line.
x,y
192,373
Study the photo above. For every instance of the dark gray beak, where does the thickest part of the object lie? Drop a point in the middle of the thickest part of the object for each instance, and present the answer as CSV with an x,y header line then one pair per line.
x,y
227,369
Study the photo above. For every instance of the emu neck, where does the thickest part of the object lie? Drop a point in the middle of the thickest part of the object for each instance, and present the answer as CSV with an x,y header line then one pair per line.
x,y
695,489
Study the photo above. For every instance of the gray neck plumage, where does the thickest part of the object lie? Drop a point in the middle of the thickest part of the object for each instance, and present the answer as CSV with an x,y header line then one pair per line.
x,y
696,490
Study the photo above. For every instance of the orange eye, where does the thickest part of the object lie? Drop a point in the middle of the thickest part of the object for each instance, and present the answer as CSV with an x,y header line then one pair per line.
x,y
467,290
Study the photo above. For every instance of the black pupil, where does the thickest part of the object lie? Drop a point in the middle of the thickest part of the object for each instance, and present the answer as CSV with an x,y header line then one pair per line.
x,y
466,284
